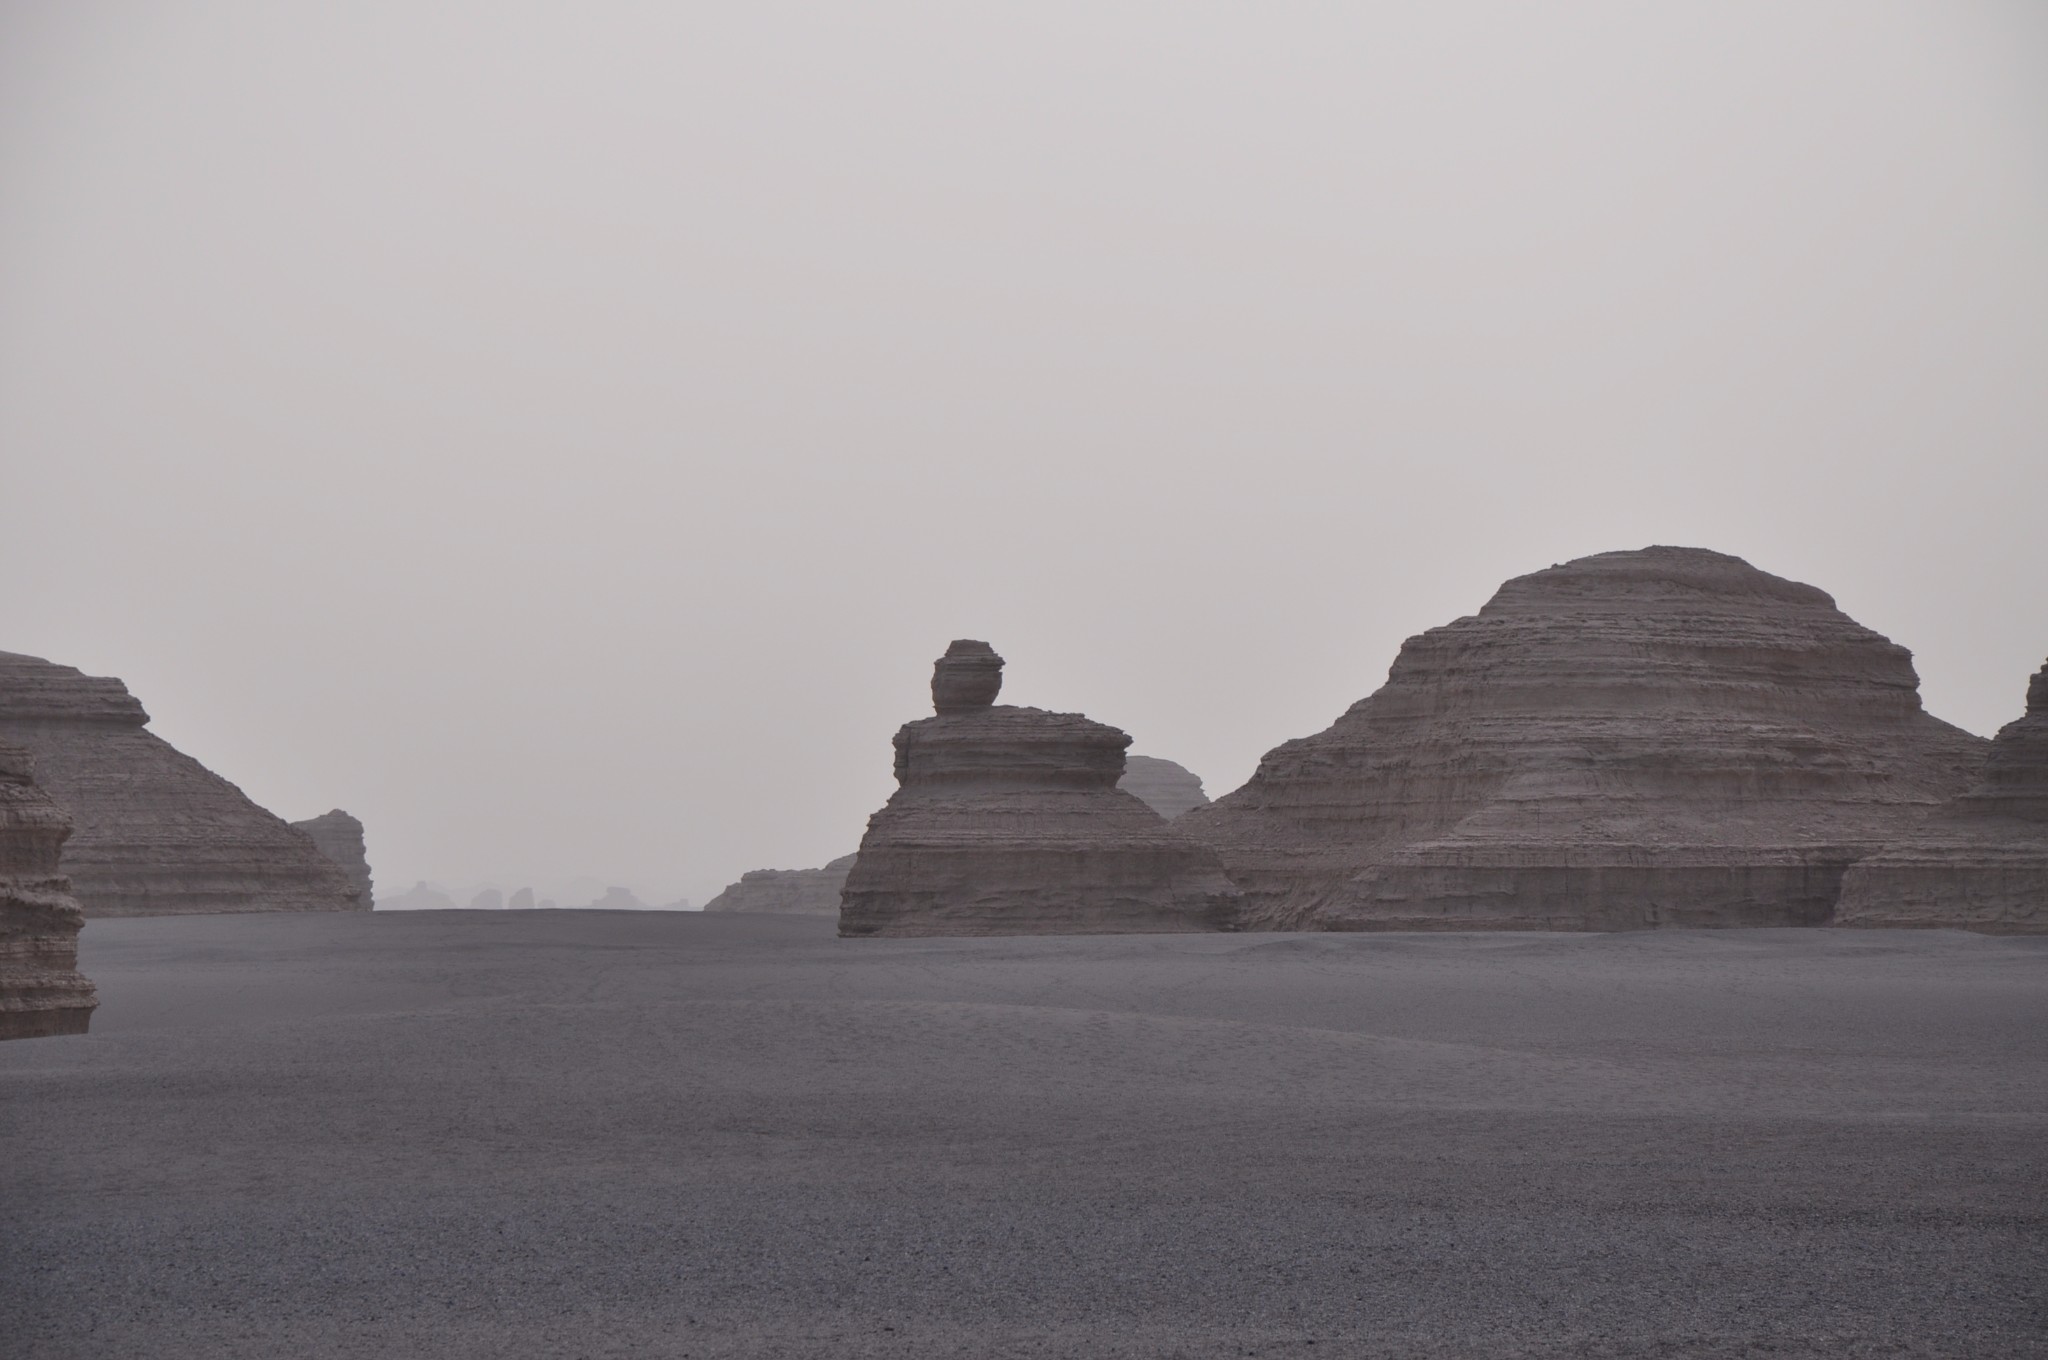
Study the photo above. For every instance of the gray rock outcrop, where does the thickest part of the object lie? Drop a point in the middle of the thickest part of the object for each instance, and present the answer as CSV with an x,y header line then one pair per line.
x,y
522,899
41,990
1168,789
794,892
340,838
157,833
1979,862
1660,737
487,899
1008,820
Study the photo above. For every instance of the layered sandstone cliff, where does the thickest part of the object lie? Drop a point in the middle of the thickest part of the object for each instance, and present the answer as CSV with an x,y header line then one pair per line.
x,y
799,892
41,991
157,833
1008,820
1168,789
1980,861
1660,737
340,838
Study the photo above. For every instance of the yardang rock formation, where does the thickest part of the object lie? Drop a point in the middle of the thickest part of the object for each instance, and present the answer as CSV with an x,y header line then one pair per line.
x,y
1008,820
1660,737
41,991
340,838
1980,861
157,833
1168,789
798,892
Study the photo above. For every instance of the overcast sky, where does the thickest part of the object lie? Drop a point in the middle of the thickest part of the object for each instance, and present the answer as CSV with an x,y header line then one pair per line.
x,y
563,435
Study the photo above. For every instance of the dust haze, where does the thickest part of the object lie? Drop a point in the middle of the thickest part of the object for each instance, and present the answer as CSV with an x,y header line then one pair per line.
x,y
564,436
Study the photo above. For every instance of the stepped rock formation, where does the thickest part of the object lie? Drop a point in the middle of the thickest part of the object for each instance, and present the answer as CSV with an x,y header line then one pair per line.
x,y
340,838
1980,861
1168,789
1008,820
41,991
799,892
1660,737
157,833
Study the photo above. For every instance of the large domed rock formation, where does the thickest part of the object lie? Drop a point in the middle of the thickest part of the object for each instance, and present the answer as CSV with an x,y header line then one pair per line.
x,y
791,892
1008,820
1660,737
157,833
1979,862
340,838
41,991
1168,789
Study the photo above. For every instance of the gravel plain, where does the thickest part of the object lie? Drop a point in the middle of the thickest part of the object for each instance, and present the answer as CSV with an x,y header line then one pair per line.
x,y
585,1134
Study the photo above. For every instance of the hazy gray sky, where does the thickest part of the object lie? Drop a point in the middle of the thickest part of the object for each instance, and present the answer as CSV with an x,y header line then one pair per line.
x,y
563,435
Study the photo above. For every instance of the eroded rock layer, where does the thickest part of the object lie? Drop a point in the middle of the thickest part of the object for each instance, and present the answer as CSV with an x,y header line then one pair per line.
x,y
340,838
1979,862
157,833
1168,789
1008,820
1660,737
800,892
41,990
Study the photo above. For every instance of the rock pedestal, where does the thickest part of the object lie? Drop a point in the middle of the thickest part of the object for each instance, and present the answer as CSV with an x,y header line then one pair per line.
x,y
156,832
41,991
1660,737
1979,862
1008,820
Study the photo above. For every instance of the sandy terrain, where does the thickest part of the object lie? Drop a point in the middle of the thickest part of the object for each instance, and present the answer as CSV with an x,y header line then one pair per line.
x,y
611,1134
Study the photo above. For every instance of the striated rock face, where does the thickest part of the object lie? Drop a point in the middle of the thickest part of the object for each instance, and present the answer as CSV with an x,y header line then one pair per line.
x,y
801,892
1661,737
41,991
157,833
1168,789
1979,862
1008,820
340,838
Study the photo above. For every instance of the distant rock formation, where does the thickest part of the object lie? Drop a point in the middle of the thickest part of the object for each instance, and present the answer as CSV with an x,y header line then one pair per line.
x,y
157,833
421,896
617,899
1008,821
522,900
1979,862
1660,737
340,838
487,899
1168,789
798,892
41,991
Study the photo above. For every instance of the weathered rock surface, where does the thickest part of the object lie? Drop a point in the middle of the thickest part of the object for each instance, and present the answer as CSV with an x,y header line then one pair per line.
x,y
1168,789
1660,737
801,892
157,833
340,838
1008,820
41,990
1980,861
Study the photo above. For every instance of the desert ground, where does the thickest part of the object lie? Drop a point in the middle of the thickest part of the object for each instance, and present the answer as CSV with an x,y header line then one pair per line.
x,y
472,1134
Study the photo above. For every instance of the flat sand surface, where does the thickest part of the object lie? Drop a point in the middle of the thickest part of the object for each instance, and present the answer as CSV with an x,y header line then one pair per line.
x,y
565,1134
